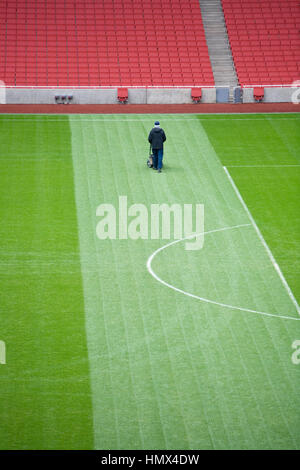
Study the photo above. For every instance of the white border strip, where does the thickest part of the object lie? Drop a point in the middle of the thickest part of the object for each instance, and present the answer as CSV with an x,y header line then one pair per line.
x,y
142,87
277,268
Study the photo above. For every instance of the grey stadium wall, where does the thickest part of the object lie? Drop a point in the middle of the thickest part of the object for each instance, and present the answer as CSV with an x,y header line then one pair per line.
x,y
147,95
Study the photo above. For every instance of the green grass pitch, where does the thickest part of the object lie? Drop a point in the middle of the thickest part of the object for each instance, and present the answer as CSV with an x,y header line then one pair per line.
x,y
99,354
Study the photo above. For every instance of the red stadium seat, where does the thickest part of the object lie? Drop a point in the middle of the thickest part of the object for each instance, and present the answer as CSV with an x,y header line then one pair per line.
x,y
258,93
123,93
196,94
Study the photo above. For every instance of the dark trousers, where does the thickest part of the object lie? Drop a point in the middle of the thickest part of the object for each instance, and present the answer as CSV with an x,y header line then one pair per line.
x,y
157,158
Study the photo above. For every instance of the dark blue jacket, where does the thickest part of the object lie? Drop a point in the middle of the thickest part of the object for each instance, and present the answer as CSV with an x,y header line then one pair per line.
x,y
157,137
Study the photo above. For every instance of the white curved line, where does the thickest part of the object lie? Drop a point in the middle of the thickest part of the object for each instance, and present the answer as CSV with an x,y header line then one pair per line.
x,y
202,299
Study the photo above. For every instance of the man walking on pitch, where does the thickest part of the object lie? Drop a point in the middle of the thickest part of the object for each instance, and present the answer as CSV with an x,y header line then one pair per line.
x,y
157,137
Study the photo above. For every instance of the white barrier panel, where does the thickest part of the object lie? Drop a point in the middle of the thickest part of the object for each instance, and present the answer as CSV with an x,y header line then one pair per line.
x,y
2,92
296,92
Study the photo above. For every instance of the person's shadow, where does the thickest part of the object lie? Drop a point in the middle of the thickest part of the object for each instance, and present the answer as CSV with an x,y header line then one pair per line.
x,y
171,168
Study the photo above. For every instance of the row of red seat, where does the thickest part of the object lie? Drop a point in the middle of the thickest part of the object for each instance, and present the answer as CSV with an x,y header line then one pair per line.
x,y
246,3
240,33
244,44
93,4
279,22
265,10
102,17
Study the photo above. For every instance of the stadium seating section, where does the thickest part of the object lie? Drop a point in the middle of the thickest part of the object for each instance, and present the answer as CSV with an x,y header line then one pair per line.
x,y
143,42
92,43
264,39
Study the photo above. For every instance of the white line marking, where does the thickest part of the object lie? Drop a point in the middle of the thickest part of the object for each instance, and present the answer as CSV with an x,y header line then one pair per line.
x,y
261,166
273,261
202,299
9,159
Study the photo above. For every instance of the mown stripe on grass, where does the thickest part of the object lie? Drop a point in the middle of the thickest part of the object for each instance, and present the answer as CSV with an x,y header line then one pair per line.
x,y
44,386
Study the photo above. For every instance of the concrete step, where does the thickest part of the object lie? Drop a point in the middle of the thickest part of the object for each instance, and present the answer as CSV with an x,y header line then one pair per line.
x,y
225,74
222,67
222,63
221,45
221,78
218,43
